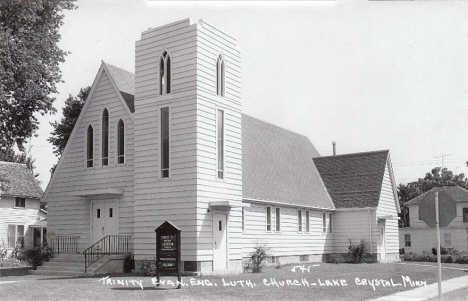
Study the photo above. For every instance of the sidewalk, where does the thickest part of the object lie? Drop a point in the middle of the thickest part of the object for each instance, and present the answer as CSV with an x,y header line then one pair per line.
x,y
427,292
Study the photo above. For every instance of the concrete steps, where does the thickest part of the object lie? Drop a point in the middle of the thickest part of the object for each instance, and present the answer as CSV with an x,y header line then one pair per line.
x,y
74,265
64,265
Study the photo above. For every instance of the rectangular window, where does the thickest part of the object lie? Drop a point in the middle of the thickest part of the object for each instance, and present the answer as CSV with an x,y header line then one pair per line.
x,y
165,142
278,219
243,218
111,212
20,202
465,215
307,221
324,222
268,219
407,240
98,213
299,220
220,134
330,223
15,235
447,239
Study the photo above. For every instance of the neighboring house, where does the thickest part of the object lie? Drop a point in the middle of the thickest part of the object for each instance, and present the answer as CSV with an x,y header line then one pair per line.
x,y
453,211
170,142
21,219
362,187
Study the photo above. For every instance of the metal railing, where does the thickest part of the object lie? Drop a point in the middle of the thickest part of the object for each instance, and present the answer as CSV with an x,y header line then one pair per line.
x,y
109,245
63,244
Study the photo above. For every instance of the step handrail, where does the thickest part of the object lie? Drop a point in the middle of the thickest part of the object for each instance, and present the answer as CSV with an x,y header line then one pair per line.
x,y
108,245
62,244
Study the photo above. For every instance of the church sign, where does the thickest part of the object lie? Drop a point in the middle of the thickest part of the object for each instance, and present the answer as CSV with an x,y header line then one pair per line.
x,y
168,251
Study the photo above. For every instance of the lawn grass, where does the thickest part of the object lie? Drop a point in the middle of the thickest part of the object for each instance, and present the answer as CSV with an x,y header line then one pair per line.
x,y
53,288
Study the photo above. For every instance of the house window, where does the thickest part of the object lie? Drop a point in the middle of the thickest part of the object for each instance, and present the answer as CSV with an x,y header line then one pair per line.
x,y
111,212
165,73
268,219
220,76
324,222
105,138
447,239
299,220
98,213
243,218
220,135
278,219
407,240
20,202
330,223
165,142
121,142
15,235
307,221
90,147
465,215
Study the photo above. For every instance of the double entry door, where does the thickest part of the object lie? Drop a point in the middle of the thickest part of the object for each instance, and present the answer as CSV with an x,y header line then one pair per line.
x,y
104,219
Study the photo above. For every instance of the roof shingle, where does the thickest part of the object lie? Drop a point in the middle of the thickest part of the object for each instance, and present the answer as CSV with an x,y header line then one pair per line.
x,y
353,180
20,180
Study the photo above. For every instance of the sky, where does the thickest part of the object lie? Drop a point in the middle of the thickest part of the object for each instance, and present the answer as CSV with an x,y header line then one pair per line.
x,y
368,75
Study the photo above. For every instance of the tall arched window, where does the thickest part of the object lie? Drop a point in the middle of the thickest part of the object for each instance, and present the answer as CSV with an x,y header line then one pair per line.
x,y
165,73
105,138
221,76
89,147
121,142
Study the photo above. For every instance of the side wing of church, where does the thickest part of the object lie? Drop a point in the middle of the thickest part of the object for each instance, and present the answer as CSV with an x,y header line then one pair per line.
x,y
170,142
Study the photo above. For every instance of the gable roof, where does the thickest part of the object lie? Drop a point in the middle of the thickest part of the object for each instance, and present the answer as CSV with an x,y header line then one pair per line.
x,y
457,193
277,166
125,82
353,180
20,180
277,163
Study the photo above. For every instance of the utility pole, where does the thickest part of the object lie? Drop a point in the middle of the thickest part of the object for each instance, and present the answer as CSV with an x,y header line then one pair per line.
x,y
439,264
442,158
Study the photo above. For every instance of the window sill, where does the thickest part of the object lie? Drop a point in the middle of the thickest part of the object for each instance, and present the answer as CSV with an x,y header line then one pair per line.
x,y
19,207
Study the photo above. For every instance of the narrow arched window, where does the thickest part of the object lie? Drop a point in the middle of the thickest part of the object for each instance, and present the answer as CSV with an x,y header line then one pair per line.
x,y
89,147
220,76
105,138
121,142
165,73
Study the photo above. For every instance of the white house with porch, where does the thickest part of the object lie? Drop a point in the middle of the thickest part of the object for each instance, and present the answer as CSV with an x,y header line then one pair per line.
x,y
170,142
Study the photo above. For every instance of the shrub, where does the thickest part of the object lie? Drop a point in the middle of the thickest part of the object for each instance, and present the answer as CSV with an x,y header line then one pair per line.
x,y
148,268
334,258
443,251
358,252
424,257
12,263
129,263
461,258
34,256
257,259
446,258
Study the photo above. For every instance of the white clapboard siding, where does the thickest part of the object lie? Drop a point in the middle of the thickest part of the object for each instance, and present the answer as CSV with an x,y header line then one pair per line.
x,y
423,237
158,199
18,216
288,241
210,44
69,214
387,208
354,225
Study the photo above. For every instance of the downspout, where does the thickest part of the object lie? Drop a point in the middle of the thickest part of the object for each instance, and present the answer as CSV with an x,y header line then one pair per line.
x,y
370,230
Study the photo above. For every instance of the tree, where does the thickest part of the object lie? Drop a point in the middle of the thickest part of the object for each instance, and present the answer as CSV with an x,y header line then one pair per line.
x,y
64,128
438,176
29,60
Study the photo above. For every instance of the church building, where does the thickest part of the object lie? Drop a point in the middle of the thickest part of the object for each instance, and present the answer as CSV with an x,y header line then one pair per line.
x,y
170,143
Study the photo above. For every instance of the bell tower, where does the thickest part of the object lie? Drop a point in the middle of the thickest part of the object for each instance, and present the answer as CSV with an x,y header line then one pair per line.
x,y
188,148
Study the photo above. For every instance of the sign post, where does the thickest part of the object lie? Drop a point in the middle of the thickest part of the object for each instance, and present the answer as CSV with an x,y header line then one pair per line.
x,y
439,264
168,251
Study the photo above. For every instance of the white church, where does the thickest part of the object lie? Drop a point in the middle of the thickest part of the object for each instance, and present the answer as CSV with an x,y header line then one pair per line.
x,y
170,143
